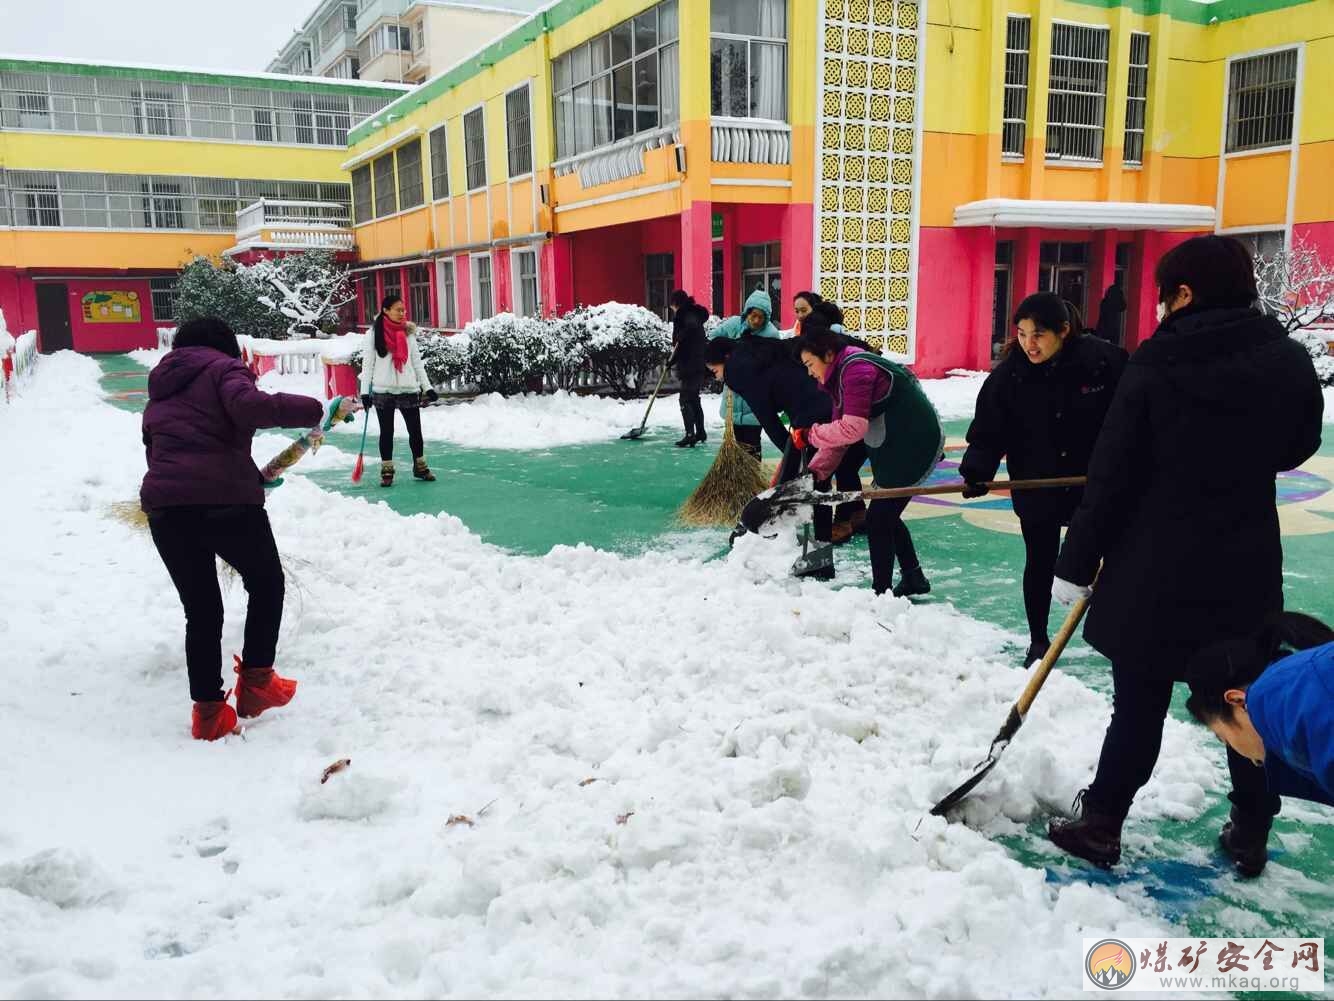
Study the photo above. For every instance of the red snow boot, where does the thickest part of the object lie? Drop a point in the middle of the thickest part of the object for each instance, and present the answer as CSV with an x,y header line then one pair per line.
x,y
259,688
212,720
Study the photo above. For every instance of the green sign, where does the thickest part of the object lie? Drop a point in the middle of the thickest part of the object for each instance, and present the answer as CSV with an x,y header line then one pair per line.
x,y
717,225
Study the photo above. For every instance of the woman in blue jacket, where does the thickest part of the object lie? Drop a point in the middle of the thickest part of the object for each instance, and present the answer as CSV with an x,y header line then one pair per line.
x,y
754,320
1270,698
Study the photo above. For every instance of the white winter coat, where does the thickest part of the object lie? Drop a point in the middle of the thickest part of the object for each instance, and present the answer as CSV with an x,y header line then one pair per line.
x,y
378,375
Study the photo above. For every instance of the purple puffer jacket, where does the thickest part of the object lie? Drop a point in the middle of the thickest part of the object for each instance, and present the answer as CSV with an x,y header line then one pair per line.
x,y
203,410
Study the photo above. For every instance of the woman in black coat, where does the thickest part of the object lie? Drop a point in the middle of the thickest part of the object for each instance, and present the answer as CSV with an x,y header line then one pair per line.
x,y
1180,511
1041,410
688,341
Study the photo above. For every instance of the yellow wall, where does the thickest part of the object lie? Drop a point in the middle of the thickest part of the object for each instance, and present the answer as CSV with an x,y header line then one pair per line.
x,y
55,248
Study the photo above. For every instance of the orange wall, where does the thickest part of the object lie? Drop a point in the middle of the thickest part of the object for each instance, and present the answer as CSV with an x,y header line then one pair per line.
x,y
1255,191
59,248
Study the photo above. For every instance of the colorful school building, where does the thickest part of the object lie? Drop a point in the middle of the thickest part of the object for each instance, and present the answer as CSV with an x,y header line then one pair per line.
x,y
926,164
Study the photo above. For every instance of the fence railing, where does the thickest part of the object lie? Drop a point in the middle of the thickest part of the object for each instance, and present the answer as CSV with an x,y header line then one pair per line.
x,y
18,362
286,223
751,140
615,162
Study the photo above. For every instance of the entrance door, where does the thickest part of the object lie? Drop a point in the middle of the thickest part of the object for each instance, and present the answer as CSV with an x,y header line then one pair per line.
x,y
53,327
1072,286
761,270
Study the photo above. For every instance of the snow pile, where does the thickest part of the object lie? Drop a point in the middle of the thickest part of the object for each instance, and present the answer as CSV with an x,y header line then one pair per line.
x,y
955,397
148,357
314,346
570,774
6,338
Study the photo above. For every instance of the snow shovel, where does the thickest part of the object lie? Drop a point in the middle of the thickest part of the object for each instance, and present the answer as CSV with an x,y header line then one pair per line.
x,y
800,493
1017,711
817,558
634,434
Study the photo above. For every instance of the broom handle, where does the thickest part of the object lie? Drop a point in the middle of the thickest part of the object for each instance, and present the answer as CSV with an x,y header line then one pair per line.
x,y
955,488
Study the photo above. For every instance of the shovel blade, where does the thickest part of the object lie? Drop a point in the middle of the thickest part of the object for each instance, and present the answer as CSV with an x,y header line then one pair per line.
x,y
633,435
998,745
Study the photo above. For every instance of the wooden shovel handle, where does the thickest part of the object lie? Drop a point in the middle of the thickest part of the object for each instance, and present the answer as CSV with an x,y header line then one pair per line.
x,y
956,488
1053,654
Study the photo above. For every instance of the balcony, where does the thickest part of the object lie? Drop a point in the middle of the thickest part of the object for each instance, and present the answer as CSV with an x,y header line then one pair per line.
x,y
751,140
270,224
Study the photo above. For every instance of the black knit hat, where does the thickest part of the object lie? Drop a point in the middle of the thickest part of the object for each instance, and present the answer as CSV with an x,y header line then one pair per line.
x,y
207,332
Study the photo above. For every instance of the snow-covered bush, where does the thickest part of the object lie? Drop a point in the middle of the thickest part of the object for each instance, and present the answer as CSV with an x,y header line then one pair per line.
x,y
270,299
624,343
1318,349
508,354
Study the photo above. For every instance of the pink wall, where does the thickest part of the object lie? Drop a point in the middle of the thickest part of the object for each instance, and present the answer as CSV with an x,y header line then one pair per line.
x,y
608,264
463,288
18,302
954,291
502,280
556,273
90,336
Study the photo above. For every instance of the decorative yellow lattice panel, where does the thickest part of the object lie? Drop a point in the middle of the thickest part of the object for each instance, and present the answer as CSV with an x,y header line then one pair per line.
x,y
896,344
852,319
880,138
852,229
833,39
856,74
904,109
831,104
883,11
855,106
877,231
851,289
908,16
854,199
898,318
876,341
829,167
833,72
829,229
882,76
828,259
879,107
854,168
900,230
898,289
875,259
877,201
875,288
829,286
902,171
898,261
900,202
879,171
858,43
882,44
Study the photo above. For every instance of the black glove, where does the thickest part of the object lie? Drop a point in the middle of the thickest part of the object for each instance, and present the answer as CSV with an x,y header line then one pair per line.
x,y
431,396
976,490
366,401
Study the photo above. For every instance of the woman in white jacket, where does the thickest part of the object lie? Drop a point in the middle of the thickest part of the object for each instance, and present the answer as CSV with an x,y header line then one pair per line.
x,y
394,378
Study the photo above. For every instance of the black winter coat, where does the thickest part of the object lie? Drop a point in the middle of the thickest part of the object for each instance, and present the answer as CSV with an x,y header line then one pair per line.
x,y
1043,419
688,340
763,372
1181,506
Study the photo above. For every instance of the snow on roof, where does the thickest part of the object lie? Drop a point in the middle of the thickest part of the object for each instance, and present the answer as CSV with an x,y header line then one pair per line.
x,y
200,71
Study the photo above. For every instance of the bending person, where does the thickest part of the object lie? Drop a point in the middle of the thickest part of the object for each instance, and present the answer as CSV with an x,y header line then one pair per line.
x,y
754,320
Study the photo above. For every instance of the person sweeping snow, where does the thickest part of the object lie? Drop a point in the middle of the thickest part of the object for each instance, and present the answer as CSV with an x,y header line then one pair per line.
x,y
879,411
393,378
1180,512
754,320
688,343
1041,410
1269,697
204,499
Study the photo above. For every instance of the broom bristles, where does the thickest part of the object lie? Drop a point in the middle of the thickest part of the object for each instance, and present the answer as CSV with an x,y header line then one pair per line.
x,y
733,479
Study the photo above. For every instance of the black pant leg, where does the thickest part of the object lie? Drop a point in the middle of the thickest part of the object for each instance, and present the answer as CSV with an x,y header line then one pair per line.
x,y
903,545
412,420
1042,544
697,414
884,530
749,438
1250,789
243,537
386,417
191,563
1140,699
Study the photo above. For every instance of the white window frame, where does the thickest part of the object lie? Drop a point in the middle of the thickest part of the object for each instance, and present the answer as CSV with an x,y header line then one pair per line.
x,y
474,279
750,41
1023,88
447,294
1063,157
443,129
1291,144
467,172
515,254
526,85
1141,99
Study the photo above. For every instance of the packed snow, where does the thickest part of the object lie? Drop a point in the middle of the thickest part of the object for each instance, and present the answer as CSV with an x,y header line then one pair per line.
x,y
572,775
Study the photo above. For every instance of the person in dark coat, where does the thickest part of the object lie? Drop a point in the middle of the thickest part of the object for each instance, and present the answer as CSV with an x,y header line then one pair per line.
x,y
1041,410
1180,511
1111,314
688,341
204,499
1269,697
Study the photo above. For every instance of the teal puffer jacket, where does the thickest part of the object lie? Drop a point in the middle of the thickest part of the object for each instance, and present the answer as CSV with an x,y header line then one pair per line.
x,y
734,327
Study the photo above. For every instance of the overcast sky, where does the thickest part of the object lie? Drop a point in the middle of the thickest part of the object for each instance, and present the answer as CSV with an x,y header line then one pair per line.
x,y
235,34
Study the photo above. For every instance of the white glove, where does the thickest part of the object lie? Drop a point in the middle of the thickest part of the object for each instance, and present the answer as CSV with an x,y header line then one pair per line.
x,y
1067,594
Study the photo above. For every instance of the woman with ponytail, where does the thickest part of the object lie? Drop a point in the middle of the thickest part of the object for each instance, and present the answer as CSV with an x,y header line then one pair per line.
x,y
1041,410
1269,697
394,378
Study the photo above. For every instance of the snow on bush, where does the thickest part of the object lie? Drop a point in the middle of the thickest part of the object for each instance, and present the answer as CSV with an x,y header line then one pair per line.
x,y
1318,349
299,293
622,343
507,353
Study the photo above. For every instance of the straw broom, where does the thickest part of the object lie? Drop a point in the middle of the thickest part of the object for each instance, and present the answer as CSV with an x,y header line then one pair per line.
x,y
733,479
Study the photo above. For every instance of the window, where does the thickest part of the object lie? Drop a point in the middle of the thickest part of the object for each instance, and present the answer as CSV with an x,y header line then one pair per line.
x,y
409,158
1000,298
362,210
525,282
392,279
1063,268
518,132
449,310
1261,96
623,82
761,269
474,148
34,111
483,305
398,37
164,293
349,17
370,304
748,75
439,163
386,201
162,207
1014,117
718,281
1137,97
660,276
1077,92
38,204
419,36
419,294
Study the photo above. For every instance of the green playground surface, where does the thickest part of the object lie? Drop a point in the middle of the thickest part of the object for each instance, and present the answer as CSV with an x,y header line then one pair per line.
x,y
622,496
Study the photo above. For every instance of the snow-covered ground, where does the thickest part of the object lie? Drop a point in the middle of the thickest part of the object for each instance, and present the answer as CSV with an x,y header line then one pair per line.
x,y
679,778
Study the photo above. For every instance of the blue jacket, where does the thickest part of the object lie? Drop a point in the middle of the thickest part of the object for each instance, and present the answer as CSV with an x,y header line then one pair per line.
x,y
734,327
1292,707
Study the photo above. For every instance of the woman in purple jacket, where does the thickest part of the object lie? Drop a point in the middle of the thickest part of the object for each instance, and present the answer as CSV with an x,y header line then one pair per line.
x,y
204,499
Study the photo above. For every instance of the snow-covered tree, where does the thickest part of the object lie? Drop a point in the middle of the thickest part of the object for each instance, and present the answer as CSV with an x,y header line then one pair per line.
x,y
1297,286
309,289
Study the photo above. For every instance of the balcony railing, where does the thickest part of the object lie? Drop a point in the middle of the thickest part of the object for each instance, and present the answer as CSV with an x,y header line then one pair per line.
x,y
751,140
293,225
615,162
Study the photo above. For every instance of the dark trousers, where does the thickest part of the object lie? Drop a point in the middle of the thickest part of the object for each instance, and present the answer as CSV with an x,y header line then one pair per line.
x,y
1140,700
412,420
1042,544
846,477
692,411
886,537
748,437
189,540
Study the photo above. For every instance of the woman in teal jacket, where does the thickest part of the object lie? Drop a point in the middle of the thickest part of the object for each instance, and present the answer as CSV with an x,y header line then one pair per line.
x,y
754,320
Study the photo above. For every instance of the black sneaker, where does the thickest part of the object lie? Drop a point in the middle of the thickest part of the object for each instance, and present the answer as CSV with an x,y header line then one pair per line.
x,y
1036,651
687,442
1091,835
1245,840
911,583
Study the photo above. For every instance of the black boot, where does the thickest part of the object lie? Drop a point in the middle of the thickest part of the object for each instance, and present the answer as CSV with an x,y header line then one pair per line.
x,y
1091,835
687,442
1245,840
912,582
1036,651
421,471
